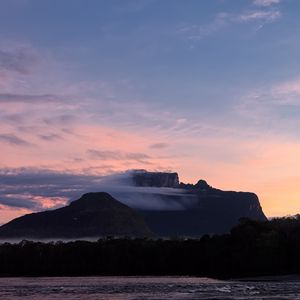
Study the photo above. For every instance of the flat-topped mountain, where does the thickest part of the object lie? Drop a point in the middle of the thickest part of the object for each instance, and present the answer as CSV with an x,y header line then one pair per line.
x,y
93,215
155,179
196,209
155,202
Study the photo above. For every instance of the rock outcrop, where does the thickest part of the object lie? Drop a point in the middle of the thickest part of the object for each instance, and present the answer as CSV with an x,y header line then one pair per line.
x,y
155,179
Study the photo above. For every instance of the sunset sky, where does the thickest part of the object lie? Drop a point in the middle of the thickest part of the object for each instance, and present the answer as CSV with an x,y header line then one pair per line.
x,y
209,89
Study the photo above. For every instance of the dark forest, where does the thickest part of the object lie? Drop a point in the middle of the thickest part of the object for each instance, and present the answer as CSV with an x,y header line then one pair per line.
x,y
253,248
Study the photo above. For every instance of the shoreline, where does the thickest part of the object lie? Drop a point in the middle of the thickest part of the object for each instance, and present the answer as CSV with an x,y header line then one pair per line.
x,y
267,278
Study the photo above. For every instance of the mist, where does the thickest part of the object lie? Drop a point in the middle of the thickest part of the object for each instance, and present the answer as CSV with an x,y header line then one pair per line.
x,y
37,190
122,187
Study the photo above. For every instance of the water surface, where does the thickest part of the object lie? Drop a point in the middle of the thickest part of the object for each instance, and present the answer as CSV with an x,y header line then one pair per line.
x,y
130,288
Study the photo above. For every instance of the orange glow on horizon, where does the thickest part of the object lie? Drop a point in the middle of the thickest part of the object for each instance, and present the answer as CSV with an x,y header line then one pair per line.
x,y
267,167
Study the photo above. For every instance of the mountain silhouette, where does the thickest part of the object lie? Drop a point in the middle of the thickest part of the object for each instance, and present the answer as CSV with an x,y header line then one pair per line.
x,y
159,205
208,211
93,215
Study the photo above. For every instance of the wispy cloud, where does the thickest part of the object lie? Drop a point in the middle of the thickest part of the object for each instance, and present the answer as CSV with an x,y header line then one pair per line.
x,y
14,140
50,137
265,2
265,16
288,88
266,13
118,155
20,60
61,119
37,103
35,188
159,146
272,109
197,32
23,98
282,93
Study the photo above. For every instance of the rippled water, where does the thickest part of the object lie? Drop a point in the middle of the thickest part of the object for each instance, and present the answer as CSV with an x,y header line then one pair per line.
x,y
129,288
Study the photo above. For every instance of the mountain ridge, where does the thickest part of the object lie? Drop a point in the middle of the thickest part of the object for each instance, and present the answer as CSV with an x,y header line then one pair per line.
x,y
92,215
179,209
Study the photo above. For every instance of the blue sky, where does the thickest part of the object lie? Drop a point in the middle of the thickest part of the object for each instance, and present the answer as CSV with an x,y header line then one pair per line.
x,y
207,88
200,46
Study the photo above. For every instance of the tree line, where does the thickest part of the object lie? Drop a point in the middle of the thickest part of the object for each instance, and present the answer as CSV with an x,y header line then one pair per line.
x,y
252,248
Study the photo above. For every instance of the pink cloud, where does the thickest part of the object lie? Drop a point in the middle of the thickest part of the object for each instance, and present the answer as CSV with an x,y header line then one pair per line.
x,y
228,162
288,87
120,132
8,213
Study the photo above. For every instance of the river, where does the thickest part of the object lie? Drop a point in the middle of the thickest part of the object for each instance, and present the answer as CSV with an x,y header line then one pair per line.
x,y
158,288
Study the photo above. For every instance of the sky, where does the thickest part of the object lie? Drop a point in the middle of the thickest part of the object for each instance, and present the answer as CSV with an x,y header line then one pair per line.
x,y
209,89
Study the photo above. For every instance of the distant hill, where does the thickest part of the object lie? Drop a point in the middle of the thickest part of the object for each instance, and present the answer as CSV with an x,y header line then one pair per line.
x,y
93,215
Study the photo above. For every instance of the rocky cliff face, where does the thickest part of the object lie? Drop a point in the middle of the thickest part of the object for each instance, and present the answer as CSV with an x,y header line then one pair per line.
x,y
203,209
93,215
155,179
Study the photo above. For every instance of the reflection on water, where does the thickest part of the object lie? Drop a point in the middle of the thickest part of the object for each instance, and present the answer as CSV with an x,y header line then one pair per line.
x,y
130,288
